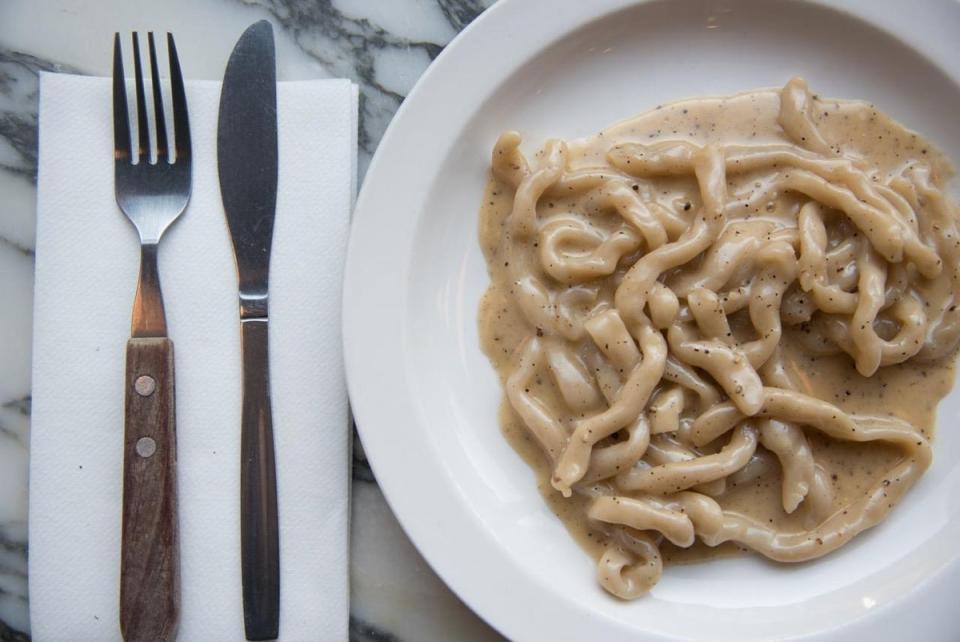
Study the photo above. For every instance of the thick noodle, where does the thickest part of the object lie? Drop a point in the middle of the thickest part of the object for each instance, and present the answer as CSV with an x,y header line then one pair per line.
x,y
651,373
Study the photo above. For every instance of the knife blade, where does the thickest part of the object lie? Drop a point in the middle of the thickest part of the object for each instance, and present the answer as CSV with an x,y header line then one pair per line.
x,y
247,167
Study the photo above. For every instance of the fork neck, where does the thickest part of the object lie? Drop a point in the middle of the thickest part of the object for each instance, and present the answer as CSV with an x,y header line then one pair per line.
x,y
253,304
148,316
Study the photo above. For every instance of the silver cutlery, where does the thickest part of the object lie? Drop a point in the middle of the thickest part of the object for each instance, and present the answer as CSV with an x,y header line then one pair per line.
x,y
247,164
152,193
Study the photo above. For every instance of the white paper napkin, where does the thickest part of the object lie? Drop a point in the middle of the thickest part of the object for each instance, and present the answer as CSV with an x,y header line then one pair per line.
x,y
86,273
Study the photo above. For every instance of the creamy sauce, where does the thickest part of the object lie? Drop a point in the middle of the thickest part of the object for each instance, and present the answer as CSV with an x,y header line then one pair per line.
x,y
811,360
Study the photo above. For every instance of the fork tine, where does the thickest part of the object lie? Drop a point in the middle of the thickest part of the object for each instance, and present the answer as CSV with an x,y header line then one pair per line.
x,y
142,131
121,118
181,122
157,102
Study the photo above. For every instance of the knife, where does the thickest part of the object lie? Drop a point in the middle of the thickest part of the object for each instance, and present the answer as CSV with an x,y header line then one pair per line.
x,y
247,165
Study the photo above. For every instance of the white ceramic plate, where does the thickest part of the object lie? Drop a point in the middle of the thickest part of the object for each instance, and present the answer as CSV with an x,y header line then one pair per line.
x,y
425,397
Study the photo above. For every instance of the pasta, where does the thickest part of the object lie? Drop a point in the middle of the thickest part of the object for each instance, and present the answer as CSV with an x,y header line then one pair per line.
x,y
706,320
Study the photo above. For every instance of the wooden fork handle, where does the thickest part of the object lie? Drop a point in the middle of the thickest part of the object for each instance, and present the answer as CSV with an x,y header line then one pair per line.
x,y
150,556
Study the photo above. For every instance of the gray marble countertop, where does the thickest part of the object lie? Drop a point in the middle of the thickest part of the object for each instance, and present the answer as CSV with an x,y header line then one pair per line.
x,y
384,46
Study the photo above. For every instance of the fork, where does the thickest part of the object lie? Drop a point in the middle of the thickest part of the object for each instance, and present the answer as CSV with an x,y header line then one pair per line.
x,y
152,193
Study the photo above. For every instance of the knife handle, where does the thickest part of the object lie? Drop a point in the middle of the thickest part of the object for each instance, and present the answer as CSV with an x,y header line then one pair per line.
x,y
150,556
259,536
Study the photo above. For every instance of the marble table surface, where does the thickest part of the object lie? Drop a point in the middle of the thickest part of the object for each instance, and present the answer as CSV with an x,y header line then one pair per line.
x,y
384,46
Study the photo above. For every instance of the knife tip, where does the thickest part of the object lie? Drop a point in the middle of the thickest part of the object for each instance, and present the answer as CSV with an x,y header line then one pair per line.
x,y
261,25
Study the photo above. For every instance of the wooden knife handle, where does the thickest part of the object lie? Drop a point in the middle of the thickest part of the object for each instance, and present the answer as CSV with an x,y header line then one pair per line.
x,y
150,556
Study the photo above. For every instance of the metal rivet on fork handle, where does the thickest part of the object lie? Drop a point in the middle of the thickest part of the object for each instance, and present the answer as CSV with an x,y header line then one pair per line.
x,y
145,385
146,447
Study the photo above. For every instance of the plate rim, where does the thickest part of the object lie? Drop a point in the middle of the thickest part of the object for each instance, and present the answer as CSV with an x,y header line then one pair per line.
x,y
372,414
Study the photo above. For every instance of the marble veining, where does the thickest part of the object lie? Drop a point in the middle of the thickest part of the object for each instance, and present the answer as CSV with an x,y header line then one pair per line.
x,y
19,74
361,470
384,47
384,62
363,632
350,47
